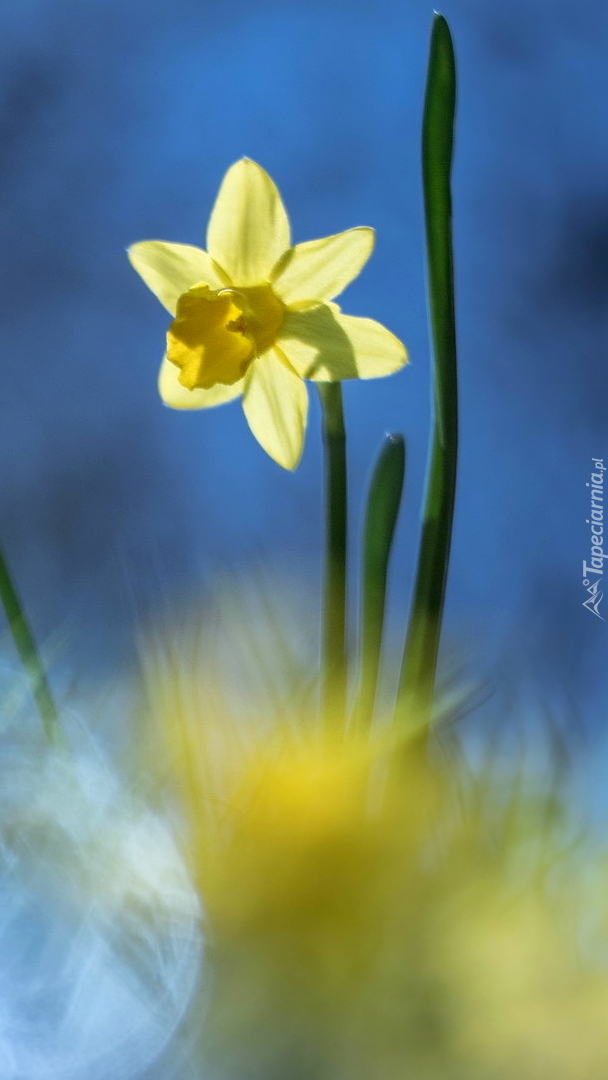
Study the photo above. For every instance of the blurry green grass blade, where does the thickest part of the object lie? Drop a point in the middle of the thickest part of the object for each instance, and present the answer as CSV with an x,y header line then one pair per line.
x,y
417,680
383,504
28,653
334,660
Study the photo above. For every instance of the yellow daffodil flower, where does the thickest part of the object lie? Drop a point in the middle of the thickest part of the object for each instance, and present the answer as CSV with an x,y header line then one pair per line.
x,y
253,317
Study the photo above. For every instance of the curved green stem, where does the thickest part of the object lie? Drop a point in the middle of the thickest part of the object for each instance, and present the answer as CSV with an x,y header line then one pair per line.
x,y
28,653
415,695
334,660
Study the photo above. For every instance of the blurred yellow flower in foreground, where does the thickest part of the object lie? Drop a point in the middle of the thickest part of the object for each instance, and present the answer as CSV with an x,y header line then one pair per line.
x,y
365,919
253,315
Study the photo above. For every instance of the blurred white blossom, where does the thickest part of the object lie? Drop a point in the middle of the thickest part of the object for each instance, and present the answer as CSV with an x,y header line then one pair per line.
x,y
99,924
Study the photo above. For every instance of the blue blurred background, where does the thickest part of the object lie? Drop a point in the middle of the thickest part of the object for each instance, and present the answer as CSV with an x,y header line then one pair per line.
x,y
118,119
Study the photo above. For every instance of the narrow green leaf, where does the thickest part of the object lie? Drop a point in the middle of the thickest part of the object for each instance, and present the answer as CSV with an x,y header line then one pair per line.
x,y
415,695
384,500
28,653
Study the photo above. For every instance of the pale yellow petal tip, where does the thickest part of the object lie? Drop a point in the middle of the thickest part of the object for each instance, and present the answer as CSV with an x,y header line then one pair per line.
x,y
275,403
249,161
131,253
144,250
402,359
288,461
136,254
287,458
244,165
366,230
289,464
247,166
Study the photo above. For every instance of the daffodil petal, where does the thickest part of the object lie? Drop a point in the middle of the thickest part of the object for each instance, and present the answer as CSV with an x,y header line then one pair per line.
x,y
275,402
169,270
321,269
248,229
178,397
322,344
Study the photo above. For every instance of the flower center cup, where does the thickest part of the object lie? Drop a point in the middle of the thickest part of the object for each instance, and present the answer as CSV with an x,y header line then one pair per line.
x,y
216,335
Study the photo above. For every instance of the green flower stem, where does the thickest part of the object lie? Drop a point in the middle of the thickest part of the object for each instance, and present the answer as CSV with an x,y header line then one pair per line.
x,y
383,504
334,661
28,653
415,695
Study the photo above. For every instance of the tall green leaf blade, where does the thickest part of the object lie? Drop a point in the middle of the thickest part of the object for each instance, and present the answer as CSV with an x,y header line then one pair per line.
x,y
415,695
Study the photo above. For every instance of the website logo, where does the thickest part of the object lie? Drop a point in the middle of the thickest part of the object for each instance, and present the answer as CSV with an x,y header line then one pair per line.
x,y
593,572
